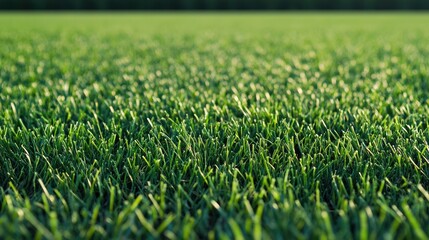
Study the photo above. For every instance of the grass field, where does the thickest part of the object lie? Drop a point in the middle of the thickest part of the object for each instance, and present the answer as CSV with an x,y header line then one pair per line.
x,y
162,125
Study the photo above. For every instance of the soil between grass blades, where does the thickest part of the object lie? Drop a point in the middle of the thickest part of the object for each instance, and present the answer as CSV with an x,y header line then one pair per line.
x,y
131,125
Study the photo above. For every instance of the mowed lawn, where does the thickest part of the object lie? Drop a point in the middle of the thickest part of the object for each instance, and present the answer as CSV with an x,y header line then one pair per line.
x,y
209,125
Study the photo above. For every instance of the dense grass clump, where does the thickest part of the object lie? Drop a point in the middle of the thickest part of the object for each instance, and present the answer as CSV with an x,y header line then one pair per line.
x,y
214,126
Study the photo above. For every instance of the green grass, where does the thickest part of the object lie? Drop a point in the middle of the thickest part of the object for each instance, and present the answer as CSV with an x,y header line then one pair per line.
x,y
298,125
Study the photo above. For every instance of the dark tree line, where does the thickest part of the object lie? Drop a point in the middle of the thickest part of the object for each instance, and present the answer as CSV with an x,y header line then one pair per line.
x,y
214,4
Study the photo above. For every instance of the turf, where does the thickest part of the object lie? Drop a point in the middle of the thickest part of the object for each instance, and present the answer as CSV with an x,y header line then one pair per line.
x,y
192,125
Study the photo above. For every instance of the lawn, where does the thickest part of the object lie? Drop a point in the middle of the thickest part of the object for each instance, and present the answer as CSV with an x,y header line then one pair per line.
x,y
209,125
